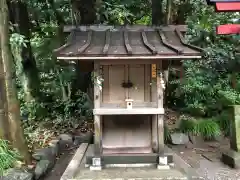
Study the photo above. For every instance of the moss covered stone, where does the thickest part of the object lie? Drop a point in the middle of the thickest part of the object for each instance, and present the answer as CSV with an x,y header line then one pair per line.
x,y
232,156
235,127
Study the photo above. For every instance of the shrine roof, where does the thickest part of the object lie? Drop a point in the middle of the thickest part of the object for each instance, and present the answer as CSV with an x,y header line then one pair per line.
x,y
128,42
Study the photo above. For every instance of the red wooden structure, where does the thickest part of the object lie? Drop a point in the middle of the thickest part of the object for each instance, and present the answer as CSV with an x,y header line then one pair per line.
x,y
228,29
226,6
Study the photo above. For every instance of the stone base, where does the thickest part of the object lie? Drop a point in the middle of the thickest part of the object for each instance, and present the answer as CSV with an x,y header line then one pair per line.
x,y
143,173
125,159
161,166
95,168
128,165
231,158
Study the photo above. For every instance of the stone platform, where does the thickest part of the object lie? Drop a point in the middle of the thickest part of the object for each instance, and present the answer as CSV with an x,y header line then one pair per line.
x,y
79,170
144,173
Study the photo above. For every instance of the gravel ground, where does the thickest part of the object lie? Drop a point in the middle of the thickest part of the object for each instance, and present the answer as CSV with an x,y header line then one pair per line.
x,y
206,161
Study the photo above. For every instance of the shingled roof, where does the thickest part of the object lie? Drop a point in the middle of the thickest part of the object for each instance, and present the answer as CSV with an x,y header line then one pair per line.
x,y
106,42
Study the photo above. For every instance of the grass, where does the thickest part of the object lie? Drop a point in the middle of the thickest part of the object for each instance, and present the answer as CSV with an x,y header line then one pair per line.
x,y
8,156
207,128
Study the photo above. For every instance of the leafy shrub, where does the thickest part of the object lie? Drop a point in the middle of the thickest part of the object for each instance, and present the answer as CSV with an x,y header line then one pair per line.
x,y
224,122
37,137
207,88
208,129
166,134
7,156
69,113
187,126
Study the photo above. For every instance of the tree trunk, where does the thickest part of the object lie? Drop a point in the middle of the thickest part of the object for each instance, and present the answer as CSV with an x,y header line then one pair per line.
x,y
30,79
60,22
184,10
16,130
157,14
98,6
86,9
4,124
169,12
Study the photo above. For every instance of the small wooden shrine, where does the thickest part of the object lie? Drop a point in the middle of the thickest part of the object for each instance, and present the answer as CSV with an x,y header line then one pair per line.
x,y
130,73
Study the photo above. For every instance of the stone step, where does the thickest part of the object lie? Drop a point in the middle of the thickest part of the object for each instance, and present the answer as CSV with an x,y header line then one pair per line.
x,y
130,174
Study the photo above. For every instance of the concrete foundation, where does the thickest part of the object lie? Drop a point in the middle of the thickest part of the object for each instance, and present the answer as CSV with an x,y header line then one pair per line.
x,y
231,158
118,170
152,171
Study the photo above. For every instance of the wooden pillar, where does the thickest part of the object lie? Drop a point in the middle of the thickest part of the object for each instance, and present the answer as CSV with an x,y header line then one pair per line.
x,y
97,118
181,73
233,80
153,99
166,75
155,133
160,117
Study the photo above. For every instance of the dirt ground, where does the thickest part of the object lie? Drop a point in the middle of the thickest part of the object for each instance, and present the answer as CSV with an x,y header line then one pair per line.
x,y
205,157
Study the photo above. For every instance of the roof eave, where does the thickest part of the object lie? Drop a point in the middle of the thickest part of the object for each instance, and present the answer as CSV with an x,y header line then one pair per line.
x,y
159,57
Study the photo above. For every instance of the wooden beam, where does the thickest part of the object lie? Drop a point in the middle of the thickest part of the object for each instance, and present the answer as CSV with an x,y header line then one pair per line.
x,y
228,29
159,57
227,6
181,74
170,46
213,2
147,81
155,133
126,79
69,28
105,91
97,135
97,93
160,90
160,130
147,44
68,43
97,118
151,158
234,80
107,42
126,42
182,40
160,118
124,111
87,44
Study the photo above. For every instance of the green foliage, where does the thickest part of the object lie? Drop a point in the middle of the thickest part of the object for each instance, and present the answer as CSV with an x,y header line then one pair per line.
x,y
208,129
223,121
69,113
166,133
205,91
37,136
187,126
207,86
126,12
59,108
7,156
